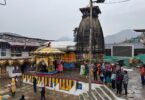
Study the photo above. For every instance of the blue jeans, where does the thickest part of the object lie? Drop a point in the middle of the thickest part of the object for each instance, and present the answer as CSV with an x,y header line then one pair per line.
x,y
35,88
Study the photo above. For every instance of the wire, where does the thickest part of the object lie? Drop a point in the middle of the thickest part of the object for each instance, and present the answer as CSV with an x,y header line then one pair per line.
x,y
116,2
3,3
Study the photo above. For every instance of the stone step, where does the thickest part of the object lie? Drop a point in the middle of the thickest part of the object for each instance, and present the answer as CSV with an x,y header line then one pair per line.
x,y
85,96
108,92
91,96
103,95
97,95
81,97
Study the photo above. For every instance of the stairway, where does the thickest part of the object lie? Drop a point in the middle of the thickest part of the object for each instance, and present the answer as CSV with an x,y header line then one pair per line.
x,y
99,93
111,95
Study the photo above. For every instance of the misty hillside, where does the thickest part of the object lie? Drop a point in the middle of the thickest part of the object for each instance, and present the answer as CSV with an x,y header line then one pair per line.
x,y
65,39
121,36
115,38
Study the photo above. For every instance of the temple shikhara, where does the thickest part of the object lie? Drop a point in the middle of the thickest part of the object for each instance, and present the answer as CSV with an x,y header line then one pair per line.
x,y
83,31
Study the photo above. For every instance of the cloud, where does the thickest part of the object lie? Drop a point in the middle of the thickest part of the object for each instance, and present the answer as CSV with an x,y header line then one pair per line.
x,y
51,19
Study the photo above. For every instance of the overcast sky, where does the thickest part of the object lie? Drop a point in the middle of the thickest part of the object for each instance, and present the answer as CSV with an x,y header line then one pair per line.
x,y
52,19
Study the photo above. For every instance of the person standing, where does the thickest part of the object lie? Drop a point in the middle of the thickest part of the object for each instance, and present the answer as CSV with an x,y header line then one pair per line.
x,y
60,66
142,73
98,70
17,81
9,86
125,81
113,78
82,69
55,64
43,93
87,69
108,79
13,87
95,72
119,78
102,76
35,84
103,67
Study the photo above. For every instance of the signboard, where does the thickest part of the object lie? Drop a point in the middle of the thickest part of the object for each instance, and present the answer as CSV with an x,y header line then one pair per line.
x,y
79,85
123,51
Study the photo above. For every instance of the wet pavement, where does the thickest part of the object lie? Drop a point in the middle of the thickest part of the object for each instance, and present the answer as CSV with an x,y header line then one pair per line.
x,y
135,90
27,90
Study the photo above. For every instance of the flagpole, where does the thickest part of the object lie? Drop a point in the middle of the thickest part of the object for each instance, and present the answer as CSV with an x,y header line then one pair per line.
x,y
90,47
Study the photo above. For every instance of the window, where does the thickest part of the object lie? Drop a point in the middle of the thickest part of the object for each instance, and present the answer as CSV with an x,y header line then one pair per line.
x,y
3,52
16,52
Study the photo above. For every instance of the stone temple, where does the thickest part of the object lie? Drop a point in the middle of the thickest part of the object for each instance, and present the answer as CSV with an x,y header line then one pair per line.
x,y
81,33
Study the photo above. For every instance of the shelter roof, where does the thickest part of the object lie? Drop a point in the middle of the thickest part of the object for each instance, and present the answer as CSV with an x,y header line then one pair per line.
x,y
136,45
20,36
47,50
24,44
1,40
139,30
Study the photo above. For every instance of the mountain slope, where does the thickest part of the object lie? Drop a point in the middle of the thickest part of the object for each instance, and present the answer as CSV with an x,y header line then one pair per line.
x,y
121,36
65,39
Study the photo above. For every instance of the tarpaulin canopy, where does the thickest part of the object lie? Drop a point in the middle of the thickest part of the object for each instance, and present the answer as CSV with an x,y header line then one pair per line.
x,y
112,59
141,58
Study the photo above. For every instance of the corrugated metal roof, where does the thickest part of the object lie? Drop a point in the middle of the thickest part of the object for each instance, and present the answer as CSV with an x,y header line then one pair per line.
x,y
11,34
1,40
23,44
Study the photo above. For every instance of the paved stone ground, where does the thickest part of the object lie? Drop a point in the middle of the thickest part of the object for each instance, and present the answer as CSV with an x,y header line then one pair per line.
x,y
135,89
27,90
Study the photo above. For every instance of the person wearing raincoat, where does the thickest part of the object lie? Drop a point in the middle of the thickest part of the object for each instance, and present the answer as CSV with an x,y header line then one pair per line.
x,y
13,87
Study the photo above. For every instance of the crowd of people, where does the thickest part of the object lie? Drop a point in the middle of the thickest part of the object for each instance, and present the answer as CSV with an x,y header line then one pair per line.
x,y
112,75
56,65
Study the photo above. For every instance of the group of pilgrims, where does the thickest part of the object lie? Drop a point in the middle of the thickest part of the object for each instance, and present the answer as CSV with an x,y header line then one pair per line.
x,y
113,75
56,65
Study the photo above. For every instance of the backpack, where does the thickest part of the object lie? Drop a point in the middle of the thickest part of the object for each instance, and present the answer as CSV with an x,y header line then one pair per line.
x,y
119,77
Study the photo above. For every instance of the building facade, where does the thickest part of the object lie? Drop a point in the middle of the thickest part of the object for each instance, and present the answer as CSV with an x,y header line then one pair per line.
x,y
133,48
15,48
